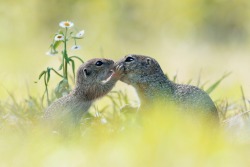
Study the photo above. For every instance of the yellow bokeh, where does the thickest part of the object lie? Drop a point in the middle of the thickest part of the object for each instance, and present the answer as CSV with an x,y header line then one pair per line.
x,y
190,38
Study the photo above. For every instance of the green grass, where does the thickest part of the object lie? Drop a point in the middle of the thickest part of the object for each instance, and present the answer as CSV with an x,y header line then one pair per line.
x,y
110,137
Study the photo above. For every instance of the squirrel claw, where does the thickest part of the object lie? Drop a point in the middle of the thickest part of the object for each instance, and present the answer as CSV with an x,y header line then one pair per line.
x,y
118,71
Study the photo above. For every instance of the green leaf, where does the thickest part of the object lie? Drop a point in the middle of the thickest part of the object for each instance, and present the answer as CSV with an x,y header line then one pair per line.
x,y
76,57
67,59
44,79
48,76
56,72
56,44
215,85
60,67
73,66
42,73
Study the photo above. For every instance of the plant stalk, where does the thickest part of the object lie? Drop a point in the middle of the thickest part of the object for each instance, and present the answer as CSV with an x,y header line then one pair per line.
x,y
65,57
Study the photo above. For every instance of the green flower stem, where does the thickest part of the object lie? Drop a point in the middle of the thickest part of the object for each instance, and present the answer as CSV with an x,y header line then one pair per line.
x,y
65,56
63,65
46,88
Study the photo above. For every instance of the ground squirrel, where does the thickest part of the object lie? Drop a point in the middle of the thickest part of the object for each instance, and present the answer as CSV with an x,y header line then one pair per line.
x,y
152,85
92,82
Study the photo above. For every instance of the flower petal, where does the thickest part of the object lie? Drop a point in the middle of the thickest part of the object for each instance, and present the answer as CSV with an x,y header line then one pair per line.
x,y
59,37
66,24
80,34
76,47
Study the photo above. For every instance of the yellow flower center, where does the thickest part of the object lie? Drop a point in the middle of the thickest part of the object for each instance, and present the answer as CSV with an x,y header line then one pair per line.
x,y
67,24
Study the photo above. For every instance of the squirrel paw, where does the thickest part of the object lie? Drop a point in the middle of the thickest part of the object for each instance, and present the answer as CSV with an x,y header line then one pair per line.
x,y
118,71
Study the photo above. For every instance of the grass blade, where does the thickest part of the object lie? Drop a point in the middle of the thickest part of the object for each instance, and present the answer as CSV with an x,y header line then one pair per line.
x,y
243,98
216,84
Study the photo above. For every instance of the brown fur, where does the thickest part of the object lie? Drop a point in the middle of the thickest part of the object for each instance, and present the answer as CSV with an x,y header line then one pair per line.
x,y
67,111
152,85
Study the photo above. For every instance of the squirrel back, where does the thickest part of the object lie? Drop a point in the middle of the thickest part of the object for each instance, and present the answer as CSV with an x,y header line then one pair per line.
x,y
146,76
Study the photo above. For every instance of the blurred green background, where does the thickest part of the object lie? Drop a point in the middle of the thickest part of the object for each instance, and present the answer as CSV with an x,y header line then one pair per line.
x,y
191,37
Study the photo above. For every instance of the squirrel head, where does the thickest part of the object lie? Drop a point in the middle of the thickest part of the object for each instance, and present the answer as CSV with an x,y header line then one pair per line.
x,y
94,71
137,68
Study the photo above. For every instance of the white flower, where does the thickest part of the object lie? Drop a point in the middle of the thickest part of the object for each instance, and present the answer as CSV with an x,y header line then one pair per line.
x,y
76,47
80,34
59,37
104,121
51,53
66,24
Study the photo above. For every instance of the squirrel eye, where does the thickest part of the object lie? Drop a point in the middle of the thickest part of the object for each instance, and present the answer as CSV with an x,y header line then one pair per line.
x,y
99,63
129,59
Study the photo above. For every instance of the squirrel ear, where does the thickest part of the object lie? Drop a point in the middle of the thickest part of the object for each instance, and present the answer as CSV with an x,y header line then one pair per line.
x,y
148,61
86,72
